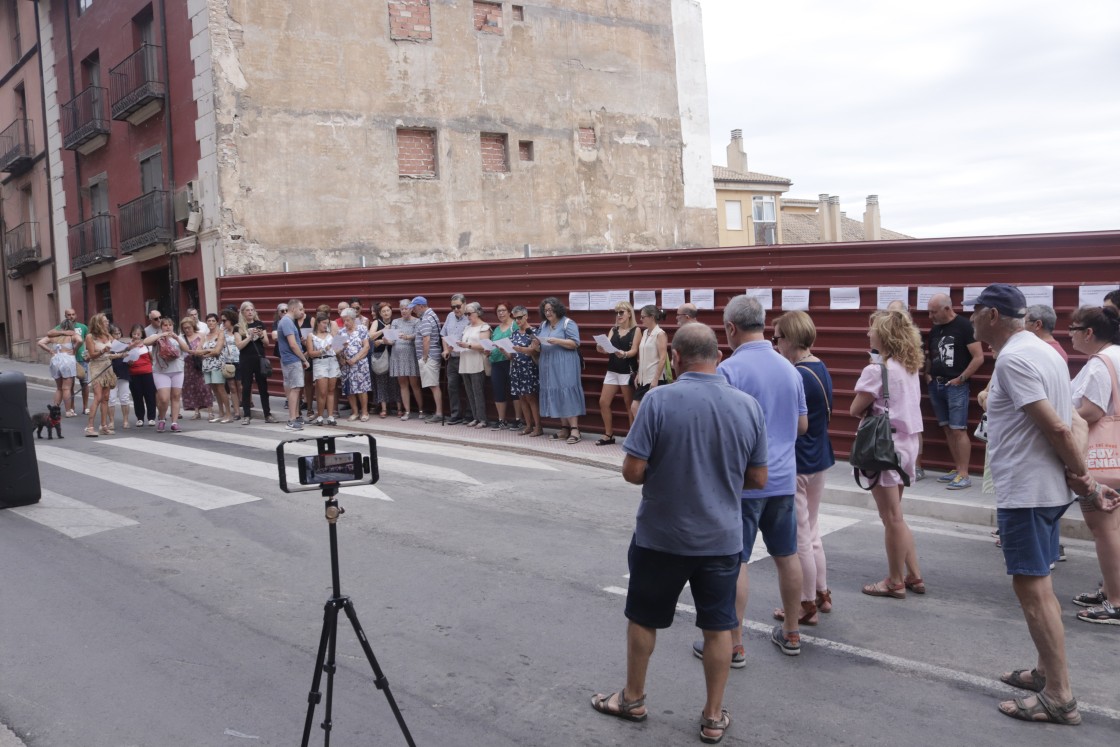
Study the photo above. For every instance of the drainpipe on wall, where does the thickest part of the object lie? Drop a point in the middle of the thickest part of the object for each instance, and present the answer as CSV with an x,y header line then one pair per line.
x,y
7,287
50,182
173,260
77,161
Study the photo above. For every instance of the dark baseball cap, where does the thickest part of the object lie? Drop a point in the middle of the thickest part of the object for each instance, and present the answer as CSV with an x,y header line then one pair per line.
x,y
1006,299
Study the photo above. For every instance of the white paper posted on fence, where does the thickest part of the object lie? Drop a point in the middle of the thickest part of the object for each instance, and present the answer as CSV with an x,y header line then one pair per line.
x,y
672,298
579,301
645,298
795,299
843,298
888,293
1093,295
764,296
703,298
926,292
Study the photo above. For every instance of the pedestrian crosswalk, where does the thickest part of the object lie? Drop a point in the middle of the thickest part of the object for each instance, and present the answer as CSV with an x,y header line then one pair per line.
x,y
175,468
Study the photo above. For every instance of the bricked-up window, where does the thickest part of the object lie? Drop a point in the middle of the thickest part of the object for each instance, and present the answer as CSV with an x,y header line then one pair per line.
x,y
587,138
487,17
410,20
416,153
518,12
525,150
495,155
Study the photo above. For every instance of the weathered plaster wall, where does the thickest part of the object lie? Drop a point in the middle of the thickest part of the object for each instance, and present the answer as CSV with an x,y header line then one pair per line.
x,y
308,104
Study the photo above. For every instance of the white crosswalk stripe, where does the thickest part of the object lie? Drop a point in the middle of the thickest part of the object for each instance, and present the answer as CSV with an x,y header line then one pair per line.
x,y
451,451
71,517
385,464
218,460
173,487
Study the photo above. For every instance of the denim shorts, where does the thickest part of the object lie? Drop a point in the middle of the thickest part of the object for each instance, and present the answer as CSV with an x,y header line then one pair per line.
x,y
777,519
1029,537
950,404
214,376
658,578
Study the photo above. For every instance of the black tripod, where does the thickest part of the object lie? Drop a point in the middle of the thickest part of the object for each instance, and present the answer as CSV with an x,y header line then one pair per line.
x,y
325,660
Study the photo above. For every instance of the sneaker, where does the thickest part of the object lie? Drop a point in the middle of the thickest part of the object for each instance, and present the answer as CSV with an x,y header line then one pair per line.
x,y
1061,553
959,483
294,425
499,426
151,423
919,474
270,419
1106,614
435,417
1090,599
471,424
175,428
454,421
246,420
948,476
331,421
318,421
789,643
139,423
738,654
161,427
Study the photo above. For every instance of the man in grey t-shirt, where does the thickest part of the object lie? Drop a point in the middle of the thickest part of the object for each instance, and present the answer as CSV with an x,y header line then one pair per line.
x,y
694,446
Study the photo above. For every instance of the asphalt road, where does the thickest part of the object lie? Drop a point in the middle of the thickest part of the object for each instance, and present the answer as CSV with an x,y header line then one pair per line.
x,y
167,593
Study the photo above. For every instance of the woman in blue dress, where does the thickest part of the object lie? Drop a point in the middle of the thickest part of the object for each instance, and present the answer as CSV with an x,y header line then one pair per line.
x,y
523,380
354,363
561,393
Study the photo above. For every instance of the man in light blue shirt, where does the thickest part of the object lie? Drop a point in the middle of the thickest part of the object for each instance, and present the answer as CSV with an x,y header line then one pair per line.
x,y
293,361
453,327
757,369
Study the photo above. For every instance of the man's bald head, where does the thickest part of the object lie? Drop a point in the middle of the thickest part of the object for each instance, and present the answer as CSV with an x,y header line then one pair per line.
x,y
695,348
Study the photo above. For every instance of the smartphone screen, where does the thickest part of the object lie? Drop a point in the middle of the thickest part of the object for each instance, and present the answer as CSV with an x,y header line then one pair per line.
x,y
319,468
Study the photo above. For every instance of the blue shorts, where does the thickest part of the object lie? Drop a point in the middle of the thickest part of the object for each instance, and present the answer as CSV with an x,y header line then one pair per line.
x,y
950,404
1029,537
658,578
777,519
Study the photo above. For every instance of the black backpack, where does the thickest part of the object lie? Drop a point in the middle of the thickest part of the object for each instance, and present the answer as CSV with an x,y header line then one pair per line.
x,y
873,450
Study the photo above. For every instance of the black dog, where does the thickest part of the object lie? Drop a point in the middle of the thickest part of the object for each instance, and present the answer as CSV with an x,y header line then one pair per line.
x,y
51,420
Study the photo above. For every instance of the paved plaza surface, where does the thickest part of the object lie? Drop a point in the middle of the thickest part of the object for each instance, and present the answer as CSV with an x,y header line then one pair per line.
x,y
165,592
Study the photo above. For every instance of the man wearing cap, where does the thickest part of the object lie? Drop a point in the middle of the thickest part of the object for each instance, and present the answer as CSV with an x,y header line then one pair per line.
x,y
428,351
1035,461
453,327
953,355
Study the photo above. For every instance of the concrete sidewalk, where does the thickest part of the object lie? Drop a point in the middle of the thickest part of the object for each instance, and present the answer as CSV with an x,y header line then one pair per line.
x,y
927,498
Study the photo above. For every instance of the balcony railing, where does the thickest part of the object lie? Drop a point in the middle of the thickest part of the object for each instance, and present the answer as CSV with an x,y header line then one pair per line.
x,y
85,117
22,252
136,82
93,241
146,221
16,154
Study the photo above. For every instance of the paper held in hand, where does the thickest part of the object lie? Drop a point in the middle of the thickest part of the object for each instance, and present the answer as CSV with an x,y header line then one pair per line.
x,y
116,346
505,344
390,334
338,342
486,344
458,344
604,342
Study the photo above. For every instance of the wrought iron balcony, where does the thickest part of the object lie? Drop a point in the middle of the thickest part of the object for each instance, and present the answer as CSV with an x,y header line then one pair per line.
x,y
93,241
136,82
16,154
85,117
22,252
146,221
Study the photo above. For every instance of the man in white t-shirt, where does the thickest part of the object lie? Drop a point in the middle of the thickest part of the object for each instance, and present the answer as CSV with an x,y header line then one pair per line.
x,y
1035,461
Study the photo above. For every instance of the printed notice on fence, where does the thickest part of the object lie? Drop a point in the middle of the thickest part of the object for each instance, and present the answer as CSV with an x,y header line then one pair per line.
x,y
843,298
764,296
600,301
672,297
795,299
704,298
645,298
888,293
926,292
1038,294
971,292
579,301
1093,295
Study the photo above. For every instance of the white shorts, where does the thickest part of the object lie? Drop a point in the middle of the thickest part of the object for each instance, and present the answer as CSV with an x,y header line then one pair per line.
x,y
119,395
325,368
429,373
617,379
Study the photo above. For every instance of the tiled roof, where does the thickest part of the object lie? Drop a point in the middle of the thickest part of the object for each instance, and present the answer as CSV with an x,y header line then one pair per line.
x,y
724,174
805,228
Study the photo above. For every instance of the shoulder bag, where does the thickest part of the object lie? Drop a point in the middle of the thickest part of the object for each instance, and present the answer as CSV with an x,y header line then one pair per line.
x,y
1103,455
873,450
823,390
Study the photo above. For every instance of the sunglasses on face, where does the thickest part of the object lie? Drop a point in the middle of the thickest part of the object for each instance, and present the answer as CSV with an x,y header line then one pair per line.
x,y
519,318
455,307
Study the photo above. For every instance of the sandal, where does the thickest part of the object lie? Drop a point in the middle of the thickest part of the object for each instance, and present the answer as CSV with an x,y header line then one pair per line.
x,y
537,433
71,414
1036,683
808,614
353,417
916,585
623,709
1050,712
562,435
364,418
525,431
107,431
605,441
885,588
405,416
824,601
574,437
91,432
721,726
1090,599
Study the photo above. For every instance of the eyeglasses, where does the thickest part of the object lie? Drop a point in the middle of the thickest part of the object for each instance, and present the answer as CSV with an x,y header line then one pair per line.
x,y
779,337
1078,329
456,307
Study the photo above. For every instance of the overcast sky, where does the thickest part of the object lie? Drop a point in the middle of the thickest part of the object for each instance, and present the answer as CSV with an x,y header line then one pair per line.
x,y
966,118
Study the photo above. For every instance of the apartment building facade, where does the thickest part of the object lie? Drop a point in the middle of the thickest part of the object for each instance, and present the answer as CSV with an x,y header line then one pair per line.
x,y
27,285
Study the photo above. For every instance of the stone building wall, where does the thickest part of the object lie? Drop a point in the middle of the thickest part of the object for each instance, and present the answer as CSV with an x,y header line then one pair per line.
x,y
556,124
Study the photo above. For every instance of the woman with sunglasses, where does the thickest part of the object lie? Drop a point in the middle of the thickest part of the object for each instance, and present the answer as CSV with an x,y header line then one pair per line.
x,y
524,381
653,355
621,365
251,336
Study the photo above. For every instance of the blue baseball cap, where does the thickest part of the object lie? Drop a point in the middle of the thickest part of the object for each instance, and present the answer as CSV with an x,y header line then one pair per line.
x,y
1006,299
418,301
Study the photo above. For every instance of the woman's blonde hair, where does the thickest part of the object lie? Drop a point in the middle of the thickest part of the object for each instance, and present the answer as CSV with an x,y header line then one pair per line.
x,y
797,327
99,325
898,338
625,306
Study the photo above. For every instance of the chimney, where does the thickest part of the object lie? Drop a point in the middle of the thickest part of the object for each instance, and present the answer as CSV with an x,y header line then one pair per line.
x,y
822,217
872,226
736,155
834,218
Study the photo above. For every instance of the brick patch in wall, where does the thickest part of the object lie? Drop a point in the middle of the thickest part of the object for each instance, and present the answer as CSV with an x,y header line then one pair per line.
x,y
587,137
410,20
525,150
495,158
487,17
416,153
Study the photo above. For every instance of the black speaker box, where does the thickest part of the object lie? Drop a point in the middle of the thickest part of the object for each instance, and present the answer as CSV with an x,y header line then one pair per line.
x,y
19,469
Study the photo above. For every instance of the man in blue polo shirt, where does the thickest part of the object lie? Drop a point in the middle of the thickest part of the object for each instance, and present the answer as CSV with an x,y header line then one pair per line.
x,y
293,360
757,369
694,446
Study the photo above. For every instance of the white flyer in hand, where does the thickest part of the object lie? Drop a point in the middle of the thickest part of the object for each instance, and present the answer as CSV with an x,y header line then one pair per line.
x,y
390,334
486,344
453,343
605,343
134,354
505,344
116,346
338,342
